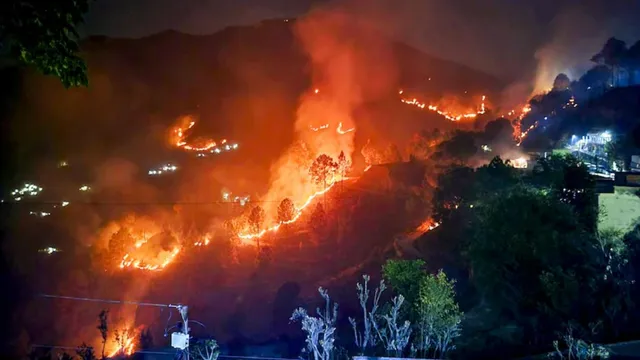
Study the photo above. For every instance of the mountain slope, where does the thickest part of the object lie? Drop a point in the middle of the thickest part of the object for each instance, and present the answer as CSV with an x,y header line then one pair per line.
x,y
243,82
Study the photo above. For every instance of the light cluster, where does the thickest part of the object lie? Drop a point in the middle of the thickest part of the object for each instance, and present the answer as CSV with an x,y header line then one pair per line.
x,y
26,191
167,168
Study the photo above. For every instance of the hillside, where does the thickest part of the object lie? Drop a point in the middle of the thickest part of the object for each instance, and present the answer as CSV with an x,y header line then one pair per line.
x,y
241,81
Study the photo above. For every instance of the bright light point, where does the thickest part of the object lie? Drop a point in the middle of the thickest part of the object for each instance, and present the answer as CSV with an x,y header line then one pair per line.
x,y
85,188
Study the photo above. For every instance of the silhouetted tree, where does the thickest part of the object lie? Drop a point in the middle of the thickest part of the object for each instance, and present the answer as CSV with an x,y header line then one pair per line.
x,y
561,82
344,165
499,129
86,353
286,210
613,55
256,218
103,327
323,170
43,34
460,147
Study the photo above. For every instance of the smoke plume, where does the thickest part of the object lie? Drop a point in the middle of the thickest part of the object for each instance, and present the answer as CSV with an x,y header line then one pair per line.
x,y
341,46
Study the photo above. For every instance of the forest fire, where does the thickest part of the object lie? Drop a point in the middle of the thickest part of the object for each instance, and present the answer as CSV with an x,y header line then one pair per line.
x,y
448,114
123,343
200,145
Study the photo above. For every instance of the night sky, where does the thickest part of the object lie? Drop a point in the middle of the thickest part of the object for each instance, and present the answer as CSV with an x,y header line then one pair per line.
x,y
500,37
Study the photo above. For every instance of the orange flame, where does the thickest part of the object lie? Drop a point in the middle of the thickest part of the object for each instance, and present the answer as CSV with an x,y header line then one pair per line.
x,y
179,138
448,114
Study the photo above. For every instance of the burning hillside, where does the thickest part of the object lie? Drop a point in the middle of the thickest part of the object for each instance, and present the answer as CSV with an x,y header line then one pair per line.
x,y
316,198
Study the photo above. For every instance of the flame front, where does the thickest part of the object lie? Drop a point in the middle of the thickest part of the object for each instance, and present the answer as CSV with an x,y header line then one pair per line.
x,y
448,114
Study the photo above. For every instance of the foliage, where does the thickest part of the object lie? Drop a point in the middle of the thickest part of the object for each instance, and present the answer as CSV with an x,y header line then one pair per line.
x,y
577,349
256,219
531,259
85,352
286,210
367,338
395,336
498,130
405,277
206,349
455,186
460,185
439,315
569,180
42,34
435,313
460,147
323,170
321,329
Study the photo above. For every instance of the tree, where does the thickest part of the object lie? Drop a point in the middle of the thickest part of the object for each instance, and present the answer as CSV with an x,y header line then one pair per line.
x,y
439,316
405,277
323,170
460,147
612,55
455,186
561,82
119,245
321,329
85,352
206,349
371,155
256,218
531,259
499,129
42,34
103,328
569,180
286,210
367,338
344,165
395,337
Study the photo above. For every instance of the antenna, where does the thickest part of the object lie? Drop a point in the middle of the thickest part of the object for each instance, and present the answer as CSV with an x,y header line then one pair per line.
x,y
179,340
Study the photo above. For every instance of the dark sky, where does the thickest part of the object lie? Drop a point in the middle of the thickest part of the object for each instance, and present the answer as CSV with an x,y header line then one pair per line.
x,y
498,36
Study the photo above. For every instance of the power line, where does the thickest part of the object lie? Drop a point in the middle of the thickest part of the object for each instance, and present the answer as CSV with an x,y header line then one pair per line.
x,y
167,203
107,301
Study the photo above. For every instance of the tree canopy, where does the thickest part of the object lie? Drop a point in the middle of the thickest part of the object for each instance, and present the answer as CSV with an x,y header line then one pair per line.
x,y
43,34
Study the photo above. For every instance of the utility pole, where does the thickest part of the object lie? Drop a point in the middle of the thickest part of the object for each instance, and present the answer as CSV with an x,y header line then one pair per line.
x,y
179,340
